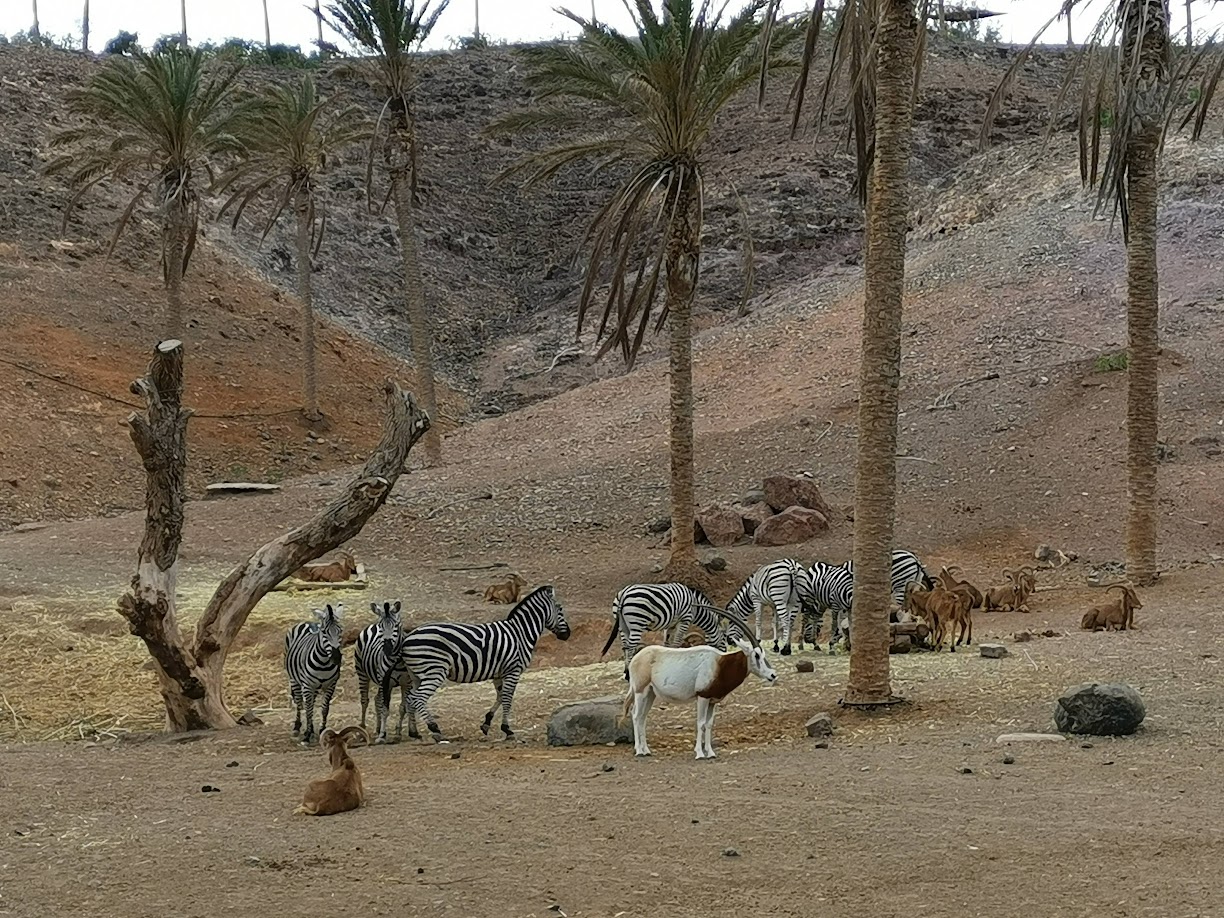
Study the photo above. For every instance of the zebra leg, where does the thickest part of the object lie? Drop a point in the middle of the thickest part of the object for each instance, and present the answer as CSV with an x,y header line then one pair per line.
x,y
788,619
488,718
363,689
679,632
382,708
506,693
405,689
328,692
631,649
308,698
295,697
422,691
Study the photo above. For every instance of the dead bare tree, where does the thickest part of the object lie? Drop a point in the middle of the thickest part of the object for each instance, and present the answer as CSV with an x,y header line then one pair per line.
x,y
190,671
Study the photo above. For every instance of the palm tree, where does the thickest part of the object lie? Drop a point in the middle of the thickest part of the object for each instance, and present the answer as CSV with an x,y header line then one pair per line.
x,y
183,34
877,50
386,31
35,31
1132,80
267,27
157,120
661,91
85,28
288,137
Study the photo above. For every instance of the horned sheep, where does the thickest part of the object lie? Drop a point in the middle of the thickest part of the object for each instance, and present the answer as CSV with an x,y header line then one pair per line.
x,y
342,790
1116,615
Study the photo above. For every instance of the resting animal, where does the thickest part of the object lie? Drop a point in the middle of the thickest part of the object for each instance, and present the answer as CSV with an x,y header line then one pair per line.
x,y
685,673
1118,615
506,593
341,790
336,571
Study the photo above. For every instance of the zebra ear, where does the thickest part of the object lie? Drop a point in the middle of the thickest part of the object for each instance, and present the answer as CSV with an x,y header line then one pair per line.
x,y
396,605
374,607
319,614
338,612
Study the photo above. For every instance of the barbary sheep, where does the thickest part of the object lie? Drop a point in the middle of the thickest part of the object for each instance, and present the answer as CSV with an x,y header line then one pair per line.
x,y
685,673
1118,615
947,609
506,593
342,789
950,582
337,571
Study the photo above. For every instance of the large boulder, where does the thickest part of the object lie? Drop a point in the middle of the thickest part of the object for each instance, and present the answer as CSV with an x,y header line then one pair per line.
x,y
794,524
590,723
721,524
782,491
753,515
1100,709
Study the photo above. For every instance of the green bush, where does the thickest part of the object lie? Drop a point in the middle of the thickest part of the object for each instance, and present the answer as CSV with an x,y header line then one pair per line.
x,y
1111,363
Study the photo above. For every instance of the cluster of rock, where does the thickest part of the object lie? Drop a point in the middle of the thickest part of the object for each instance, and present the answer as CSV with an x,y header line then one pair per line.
x,y
785,510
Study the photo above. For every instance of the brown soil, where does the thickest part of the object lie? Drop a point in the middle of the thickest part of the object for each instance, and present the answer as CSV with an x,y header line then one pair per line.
x,y
1009,273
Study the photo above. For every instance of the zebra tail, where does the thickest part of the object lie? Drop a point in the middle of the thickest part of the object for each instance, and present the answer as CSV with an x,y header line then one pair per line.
x,y
615,629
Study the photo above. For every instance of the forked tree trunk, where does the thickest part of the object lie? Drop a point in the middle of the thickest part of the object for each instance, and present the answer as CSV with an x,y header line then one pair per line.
x,y
683,256
414,288
190,671
85,28
1145,60
174,259
310,393
875,498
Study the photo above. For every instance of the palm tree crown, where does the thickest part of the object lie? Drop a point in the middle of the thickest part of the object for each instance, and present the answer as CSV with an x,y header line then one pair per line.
x,y
664,88
158,119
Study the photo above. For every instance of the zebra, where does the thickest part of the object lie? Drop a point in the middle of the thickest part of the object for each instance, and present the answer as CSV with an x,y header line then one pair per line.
x,y
499,651
377,645
786,586
312,663
669,607
834,588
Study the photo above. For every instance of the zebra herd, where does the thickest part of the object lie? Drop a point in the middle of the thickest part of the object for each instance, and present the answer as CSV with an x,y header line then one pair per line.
x,y
791,589
419,661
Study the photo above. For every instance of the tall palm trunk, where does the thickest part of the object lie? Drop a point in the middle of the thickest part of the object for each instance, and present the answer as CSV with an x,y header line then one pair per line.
x,y
1148,26
267,27
35,31
174,258
319,25
309,364
85,28
683,256
183,34
880,372
400,148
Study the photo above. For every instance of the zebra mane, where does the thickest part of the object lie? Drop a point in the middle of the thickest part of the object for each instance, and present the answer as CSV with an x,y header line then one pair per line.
x,y
531,603
741,597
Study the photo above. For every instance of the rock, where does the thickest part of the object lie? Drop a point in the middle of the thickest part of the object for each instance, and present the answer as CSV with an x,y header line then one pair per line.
x,y
715,564
590,723
1009,760
754,496
1022,637
753,515
30,527
992,651
231,764
730,852
901,643
721,524
965,770
607,767
794,524
1005,738
823,744
1054,557
659,526
209,789
782,491
805,666
454,755
819,725
250,719
1100,709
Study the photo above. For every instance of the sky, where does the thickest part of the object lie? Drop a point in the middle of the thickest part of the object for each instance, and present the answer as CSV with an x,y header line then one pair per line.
x,y
510,20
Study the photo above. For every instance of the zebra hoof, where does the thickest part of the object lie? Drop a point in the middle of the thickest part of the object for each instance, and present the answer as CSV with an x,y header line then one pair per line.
x,y
484,728
786,651
775,646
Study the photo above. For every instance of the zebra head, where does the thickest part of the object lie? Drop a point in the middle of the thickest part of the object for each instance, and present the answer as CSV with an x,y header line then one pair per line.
x,y
390,625
554,619
330,626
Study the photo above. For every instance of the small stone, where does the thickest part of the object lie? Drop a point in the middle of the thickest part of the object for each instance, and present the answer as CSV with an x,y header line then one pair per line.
x,y
992,651
805,666
209,789
231,764
1009,760
659,526
1022,637
715,564
1004,738
819,725
1085,745
657,568
252,861
754,496
30,527
823,744
607,767
420,870
250,719
730,852
454,755
965,770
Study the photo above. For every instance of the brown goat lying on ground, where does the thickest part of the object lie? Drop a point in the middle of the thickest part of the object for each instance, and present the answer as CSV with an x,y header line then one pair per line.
x,y
337,571
1118,615
342,789
506,593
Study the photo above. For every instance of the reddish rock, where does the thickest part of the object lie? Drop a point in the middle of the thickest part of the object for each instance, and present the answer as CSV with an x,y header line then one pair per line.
x,y
782,491
754,515
794,524
721,524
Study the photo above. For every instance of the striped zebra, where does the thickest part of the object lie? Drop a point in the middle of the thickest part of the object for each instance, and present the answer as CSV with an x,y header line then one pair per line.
x,y
377,646
669,607
499,651
312,663
834,588
786,586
